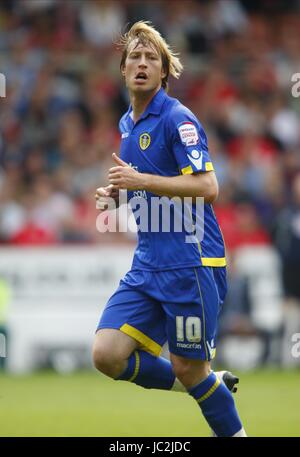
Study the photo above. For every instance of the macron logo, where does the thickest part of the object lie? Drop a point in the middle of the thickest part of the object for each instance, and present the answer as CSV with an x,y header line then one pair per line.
x,y
196,157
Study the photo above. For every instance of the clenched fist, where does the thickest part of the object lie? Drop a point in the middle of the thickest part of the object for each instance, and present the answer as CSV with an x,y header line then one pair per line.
x,y
106,197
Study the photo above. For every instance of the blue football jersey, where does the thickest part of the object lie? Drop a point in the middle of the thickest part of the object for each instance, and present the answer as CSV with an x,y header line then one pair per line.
x,y
168,140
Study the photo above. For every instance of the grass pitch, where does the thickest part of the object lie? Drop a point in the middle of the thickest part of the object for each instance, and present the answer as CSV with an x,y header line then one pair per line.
x,y
89,404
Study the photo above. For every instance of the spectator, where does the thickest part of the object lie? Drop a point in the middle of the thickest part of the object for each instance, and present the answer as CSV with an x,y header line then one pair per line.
x,y
288,242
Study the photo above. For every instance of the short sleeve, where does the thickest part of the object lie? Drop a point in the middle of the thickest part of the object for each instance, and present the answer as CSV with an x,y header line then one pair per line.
x,y
188,142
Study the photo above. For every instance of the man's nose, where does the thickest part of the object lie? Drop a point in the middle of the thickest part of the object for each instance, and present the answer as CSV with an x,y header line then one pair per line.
x,y
143,61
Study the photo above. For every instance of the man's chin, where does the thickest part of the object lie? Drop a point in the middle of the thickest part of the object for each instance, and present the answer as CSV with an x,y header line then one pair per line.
x,y
142,89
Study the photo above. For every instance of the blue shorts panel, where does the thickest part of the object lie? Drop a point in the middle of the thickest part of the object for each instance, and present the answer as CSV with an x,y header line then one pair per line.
x,y
192,315
178,306
220,276
137,314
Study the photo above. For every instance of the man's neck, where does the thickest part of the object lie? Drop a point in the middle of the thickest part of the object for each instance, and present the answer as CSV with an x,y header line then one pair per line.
x,y
139,103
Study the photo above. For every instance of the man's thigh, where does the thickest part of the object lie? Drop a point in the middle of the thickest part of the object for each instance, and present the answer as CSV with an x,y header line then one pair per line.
x,y
132,311
114,342
192,313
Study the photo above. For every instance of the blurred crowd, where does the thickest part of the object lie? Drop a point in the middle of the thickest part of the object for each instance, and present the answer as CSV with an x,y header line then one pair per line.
x,y
65,95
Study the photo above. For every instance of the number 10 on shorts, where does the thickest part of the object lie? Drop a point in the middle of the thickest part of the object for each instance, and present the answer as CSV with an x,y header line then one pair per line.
x,y
188,329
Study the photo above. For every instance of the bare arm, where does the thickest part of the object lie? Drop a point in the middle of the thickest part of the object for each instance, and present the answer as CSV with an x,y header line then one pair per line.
x,y
194,185
202,184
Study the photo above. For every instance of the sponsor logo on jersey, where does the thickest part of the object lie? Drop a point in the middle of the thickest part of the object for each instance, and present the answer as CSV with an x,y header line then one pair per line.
x,y
135,167
145,141
188,133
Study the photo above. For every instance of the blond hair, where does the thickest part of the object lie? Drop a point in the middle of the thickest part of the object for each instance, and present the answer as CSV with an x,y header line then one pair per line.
x,y
146,34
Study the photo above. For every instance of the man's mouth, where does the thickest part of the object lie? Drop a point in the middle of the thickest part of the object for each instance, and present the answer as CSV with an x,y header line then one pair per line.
x,y
141,76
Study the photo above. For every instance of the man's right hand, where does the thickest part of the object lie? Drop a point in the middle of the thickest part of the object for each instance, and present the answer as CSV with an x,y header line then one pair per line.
x,y
106,197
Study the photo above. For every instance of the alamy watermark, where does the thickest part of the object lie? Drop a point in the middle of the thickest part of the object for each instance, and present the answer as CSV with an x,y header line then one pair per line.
x,y
154,215
2,345
296,346
296,87
2,85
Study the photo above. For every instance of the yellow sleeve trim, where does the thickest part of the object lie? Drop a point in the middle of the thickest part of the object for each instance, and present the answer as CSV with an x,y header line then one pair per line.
x,y
147,343
210,391
187,170
136,368
213,261
209,166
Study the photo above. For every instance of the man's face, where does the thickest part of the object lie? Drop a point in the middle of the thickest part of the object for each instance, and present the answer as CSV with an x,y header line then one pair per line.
x,y
143,68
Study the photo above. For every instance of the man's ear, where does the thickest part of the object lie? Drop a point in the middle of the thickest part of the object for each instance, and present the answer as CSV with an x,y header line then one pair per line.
x,y
123,71
163,73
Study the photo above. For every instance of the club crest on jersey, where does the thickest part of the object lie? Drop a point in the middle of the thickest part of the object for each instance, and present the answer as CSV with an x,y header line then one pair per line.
x,y
145,141
188,133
